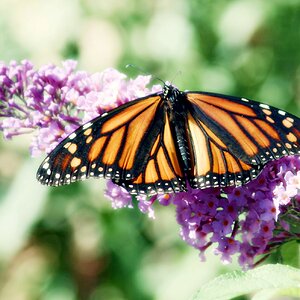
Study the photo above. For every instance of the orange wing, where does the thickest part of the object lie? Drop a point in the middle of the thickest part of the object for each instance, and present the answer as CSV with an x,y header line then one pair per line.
x,y
109,146
132,144
232,139
162,172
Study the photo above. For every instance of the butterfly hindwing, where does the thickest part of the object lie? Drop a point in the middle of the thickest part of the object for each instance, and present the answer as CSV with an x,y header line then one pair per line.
x,y
213,164
163,172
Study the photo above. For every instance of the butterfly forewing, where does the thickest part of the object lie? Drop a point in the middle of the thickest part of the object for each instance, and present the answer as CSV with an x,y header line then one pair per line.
x,y
239,136
107,146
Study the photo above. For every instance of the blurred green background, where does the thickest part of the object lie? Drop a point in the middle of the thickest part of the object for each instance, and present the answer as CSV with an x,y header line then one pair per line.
x,y
68,243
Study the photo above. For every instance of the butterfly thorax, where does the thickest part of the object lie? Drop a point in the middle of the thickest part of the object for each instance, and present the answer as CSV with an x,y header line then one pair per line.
x,y
170,92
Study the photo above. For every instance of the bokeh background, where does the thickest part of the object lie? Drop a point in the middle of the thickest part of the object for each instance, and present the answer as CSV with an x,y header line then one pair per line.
x,y
68,243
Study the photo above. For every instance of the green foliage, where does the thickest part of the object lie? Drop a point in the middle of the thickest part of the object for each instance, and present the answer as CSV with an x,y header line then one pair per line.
x,y
264,282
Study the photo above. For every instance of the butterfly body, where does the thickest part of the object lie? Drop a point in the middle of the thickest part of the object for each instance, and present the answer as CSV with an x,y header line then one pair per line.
x,y
176,108
161,142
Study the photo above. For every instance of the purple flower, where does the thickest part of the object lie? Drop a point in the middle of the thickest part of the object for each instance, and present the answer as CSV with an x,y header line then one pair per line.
x,y
119,196
145,206
247,221
227,246
243,220
35,100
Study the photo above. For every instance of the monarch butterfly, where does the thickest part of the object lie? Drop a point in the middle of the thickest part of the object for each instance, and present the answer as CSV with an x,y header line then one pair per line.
x,y
161,142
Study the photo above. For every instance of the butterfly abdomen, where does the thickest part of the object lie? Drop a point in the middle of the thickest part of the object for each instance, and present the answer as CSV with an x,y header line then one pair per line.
x,y
183,147
176,109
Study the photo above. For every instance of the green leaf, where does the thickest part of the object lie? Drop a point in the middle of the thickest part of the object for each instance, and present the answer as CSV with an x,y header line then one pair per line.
x,y
290,253
268,279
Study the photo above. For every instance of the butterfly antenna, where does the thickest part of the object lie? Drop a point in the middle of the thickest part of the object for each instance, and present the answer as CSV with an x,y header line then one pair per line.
x,y
176,74
144,72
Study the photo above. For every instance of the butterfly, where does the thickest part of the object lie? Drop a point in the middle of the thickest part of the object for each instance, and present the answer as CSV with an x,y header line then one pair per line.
x,y
164,141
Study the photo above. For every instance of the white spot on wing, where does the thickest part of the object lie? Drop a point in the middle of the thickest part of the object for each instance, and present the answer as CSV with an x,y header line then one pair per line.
x,y
264,106
72,136
46,166
87,125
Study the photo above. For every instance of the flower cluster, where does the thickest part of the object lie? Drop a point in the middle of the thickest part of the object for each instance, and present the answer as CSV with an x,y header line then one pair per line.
x,y
54,101
248,221
242,220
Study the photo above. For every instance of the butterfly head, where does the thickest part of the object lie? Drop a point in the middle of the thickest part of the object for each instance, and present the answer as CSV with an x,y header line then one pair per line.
x,y
170,92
